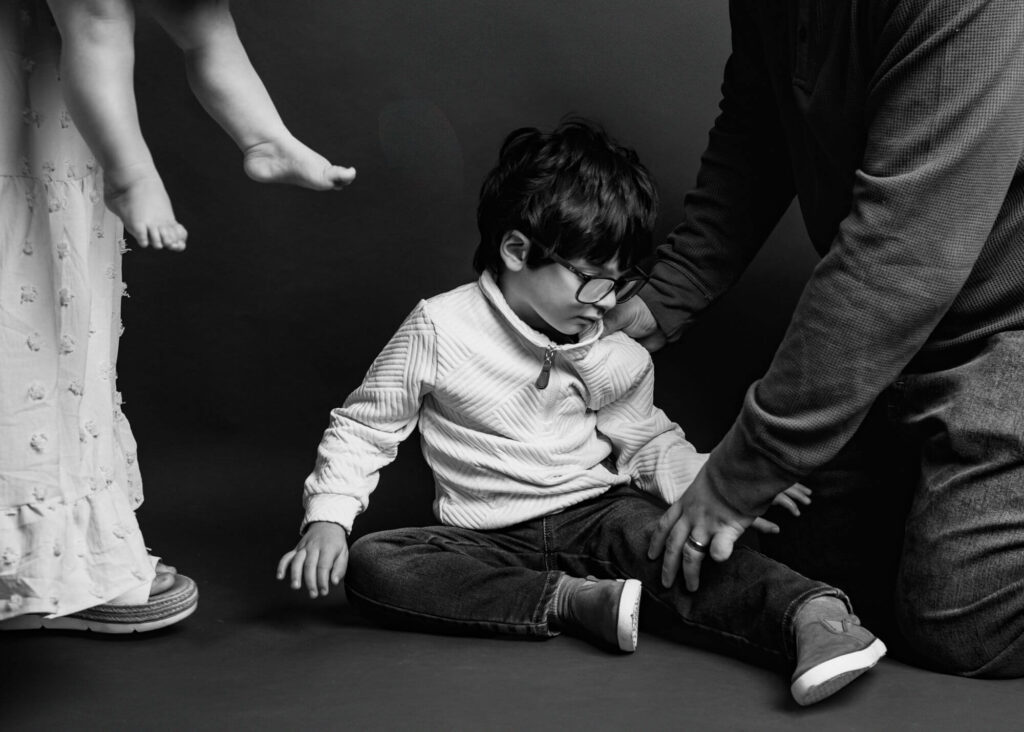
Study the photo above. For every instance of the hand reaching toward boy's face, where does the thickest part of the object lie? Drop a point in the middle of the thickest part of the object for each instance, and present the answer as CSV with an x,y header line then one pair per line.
x,y
634,319
319,559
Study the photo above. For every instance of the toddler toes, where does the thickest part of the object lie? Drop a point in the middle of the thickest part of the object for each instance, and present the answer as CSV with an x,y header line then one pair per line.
x,y
339,177
153,235
169,235
173,235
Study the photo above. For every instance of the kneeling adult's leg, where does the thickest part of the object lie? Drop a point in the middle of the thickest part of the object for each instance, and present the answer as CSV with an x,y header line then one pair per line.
x,y
851,535
451,580
961,585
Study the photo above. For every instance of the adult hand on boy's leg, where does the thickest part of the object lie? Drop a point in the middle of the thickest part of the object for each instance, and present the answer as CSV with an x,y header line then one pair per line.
x,y
319,559
713,525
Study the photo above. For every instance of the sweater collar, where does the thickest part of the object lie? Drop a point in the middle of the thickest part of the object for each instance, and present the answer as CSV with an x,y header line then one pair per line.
x,y
489,286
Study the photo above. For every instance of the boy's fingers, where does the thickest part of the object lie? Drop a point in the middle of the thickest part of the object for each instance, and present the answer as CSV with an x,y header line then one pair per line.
x,y
282,565
787,503
297,562
309,573
340,565
800,493
323,568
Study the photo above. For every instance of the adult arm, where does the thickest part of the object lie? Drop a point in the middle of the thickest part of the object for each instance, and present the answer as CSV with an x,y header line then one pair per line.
x,y
945,138
654,451
743,187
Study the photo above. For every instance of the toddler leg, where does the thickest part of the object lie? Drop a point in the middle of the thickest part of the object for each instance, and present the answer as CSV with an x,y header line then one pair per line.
x,y
444,579
97,62
228,87
749,604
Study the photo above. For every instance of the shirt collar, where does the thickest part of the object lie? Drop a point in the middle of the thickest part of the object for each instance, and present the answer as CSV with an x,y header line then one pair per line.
x,y
489,286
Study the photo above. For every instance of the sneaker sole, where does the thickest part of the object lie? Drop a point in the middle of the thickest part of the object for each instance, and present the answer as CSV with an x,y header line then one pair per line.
x,y
629,615
827,678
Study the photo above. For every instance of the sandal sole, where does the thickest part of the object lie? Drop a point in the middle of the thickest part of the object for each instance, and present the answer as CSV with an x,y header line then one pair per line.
x,y
165,609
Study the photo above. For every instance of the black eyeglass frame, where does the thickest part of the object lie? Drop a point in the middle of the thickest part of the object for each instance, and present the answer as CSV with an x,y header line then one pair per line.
x,y
615,284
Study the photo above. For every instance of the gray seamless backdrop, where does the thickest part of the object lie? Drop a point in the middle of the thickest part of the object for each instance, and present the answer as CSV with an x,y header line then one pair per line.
x,y
283,296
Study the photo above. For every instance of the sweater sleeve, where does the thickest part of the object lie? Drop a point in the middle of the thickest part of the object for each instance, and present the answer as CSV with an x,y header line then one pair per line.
x,y
364,434
944,141
743,187
649,447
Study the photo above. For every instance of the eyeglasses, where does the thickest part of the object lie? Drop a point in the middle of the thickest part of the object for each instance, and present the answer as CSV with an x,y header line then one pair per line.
x,y
596,288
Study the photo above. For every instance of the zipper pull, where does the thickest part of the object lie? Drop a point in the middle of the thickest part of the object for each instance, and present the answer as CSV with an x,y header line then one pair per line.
x,y
545,369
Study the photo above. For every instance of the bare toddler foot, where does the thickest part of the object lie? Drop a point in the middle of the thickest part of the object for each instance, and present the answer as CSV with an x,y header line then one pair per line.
x,y
286,160
137,196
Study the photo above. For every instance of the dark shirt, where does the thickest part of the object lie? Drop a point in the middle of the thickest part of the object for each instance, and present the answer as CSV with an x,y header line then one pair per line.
x,y
899,125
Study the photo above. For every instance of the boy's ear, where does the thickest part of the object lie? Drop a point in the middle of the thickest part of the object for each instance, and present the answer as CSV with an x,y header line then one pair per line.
x,y
514,249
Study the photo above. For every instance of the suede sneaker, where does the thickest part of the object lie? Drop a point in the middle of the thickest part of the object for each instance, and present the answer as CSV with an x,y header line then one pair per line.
x,y
830,654
608,609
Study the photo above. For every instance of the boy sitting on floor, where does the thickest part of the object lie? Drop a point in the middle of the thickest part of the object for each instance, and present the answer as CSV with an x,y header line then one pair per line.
x,y
552,465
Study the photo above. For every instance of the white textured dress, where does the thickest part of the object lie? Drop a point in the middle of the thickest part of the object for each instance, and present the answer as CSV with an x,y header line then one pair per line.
x,y
69,482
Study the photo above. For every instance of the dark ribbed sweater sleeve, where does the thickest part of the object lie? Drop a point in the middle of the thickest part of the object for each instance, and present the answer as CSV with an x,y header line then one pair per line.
x,y
743,187
945,137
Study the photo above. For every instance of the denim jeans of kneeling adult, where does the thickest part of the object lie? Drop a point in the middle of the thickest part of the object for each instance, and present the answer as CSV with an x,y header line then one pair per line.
x,y
920,518
461,581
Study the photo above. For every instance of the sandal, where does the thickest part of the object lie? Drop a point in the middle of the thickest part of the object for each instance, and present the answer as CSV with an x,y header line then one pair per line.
x,y
168,607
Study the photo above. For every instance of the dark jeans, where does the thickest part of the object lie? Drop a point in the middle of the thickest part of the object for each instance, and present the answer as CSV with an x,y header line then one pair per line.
x,y
453,580
920,519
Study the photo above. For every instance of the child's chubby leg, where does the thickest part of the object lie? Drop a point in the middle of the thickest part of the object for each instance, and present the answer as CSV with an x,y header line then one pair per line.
x,y
445,579
228,87
97,61
748,605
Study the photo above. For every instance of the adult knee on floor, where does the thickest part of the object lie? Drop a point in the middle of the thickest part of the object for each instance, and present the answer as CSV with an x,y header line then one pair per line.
x,y
968,640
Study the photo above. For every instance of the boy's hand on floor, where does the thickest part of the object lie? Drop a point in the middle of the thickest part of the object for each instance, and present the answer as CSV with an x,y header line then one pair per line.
x,y
793,495
319,559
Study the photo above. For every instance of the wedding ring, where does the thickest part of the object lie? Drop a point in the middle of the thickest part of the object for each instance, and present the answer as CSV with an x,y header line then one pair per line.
x,y
698,546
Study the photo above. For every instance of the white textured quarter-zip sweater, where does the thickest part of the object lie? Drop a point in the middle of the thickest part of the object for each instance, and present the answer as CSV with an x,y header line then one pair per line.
x,y
504,446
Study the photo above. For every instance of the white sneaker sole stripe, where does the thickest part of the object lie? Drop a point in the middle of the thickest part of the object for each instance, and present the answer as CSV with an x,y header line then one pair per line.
x,y
813,685
629,615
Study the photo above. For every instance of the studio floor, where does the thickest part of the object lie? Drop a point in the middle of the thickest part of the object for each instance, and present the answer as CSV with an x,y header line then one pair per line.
x,y
258,656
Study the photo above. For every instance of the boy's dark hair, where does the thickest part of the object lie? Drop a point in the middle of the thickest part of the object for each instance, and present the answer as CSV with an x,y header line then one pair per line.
x,y
574,190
